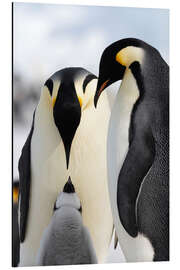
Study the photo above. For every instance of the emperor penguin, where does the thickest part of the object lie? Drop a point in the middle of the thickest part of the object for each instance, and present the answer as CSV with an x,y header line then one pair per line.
x,y
67,138
138,147
66,241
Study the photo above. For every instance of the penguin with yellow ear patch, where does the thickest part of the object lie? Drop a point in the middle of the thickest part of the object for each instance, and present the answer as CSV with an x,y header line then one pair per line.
x,y
61,138
138,147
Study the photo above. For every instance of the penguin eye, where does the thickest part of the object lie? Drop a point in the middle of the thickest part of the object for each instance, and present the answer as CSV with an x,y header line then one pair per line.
x,y
49,84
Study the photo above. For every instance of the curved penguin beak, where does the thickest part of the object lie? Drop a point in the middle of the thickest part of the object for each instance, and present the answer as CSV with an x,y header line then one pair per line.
x,y
109,73
100,88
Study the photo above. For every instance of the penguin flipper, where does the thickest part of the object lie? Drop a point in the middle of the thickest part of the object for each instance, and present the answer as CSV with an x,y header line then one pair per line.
x,y
137,163
24,168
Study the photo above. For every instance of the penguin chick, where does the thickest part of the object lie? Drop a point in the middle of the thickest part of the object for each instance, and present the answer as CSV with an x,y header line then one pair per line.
x,y
66,241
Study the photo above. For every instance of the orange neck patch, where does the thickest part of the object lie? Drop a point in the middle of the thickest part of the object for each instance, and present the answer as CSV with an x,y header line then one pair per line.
x,y
15,194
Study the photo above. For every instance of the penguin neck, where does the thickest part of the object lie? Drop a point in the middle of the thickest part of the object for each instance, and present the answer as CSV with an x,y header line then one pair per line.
x,y
150,77
88,99
136,70
45,128
130,89
118,134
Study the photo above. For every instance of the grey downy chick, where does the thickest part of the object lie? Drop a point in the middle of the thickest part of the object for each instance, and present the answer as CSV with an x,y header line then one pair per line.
x,y
66,241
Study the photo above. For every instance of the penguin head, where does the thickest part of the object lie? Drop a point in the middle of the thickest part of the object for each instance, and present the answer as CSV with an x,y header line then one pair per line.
x,y
68,197
66,92
115,60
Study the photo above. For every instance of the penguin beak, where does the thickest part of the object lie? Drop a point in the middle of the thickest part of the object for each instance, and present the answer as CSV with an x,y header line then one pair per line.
x,y
100,88
68,187
109,73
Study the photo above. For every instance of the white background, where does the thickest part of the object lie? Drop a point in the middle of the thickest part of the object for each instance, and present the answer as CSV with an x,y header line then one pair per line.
x,y
6,123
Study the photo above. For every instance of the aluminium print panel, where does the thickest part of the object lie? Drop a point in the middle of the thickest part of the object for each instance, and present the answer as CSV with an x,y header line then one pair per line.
x,y
91,134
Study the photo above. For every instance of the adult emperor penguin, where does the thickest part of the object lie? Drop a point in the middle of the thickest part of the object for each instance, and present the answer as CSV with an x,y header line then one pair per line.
x,y
61,136
138,147
66,240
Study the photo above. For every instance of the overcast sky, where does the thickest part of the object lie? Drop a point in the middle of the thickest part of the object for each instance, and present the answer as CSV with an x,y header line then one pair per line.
x,y
51,37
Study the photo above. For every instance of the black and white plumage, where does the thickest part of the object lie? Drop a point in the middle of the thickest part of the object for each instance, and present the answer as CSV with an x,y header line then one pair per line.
x,y
61,137
138,147
66,241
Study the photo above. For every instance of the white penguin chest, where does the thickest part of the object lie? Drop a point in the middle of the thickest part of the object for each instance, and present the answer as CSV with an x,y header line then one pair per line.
x,y
118,134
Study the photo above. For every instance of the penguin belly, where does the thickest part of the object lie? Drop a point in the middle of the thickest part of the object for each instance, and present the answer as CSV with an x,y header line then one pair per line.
x,y
138,248
89,175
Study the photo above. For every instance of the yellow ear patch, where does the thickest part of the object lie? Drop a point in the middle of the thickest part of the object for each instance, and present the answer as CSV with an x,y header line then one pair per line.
x,y
56,86
130,54
15,194
80,101
53,101
121,57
